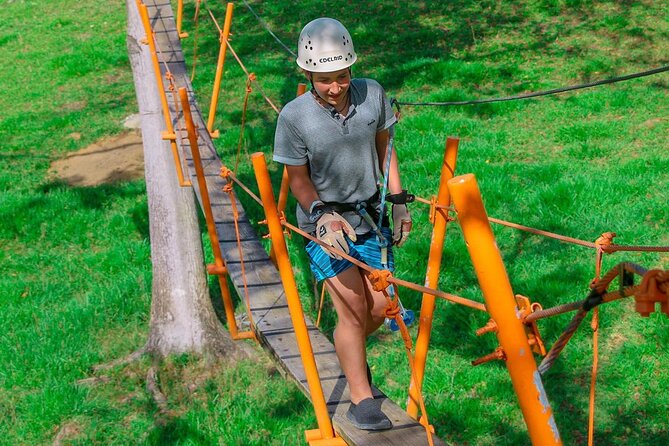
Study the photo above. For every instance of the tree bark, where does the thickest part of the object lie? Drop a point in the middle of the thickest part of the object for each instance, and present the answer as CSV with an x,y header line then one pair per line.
x,y
182,316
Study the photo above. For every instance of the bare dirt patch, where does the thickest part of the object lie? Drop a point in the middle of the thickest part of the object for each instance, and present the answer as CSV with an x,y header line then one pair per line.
x,y
110,160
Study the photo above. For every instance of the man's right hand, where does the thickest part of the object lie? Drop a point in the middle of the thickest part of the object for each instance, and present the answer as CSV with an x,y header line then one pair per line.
x,y
332,229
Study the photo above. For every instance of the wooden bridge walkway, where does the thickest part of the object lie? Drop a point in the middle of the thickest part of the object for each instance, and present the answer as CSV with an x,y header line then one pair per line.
x,y
268,304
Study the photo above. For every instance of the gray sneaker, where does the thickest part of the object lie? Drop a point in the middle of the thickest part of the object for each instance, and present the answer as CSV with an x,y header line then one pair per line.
x,y
367,415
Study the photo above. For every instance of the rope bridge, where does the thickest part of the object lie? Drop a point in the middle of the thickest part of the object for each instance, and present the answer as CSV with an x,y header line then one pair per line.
x,y
273,308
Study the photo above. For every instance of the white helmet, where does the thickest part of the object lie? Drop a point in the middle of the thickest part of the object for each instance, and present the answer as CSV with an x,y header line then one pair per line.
x,y
324,46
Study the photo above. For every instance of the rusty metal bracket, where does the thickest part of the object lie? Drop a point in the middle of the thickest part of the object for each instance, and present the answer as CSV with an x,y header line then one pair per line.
x,y
526,307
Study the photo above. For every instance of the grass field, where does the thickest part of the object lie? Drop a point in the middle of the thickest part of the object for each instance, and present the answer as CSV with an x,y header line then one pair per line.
x,y
75,270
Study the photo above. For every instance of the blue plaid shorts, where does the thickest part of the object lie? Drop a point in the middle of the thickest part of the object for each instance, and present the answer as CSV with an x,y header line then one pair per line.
x,y
366,249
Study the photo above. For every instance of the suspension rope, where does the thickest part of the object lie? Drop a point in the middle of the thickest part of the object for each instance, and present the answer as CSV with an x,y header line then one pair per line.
x,y
320,306
264,24
593,378
543,93
241,64
235,213
597,296
490,100
381,282
422,289
544,233
243,125
196,18
225,172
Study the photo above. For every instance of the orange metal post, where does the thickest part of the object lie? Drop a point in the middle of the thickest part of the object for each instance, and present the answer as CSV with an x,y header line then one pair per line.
x,y
432,274
180,14
169,134
218,268
294,304
502,306
219,70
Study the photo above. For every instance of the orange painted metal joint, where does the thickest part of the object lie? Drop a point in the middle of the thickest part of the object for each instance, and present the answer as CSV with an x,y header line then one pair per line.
x,y
244,335
169,136
379,279
315,438
423,421
654,288
286,230
216,270
498,354
433,209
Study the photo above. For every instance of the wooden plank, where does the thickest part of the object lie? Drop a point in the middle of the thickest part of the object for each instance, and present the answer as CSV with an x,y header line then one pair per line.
x,y
269,309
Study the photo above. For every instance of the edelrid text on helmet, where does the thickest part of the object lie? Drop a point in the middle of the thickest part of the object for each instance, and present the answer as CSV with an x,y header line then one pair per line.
x,y
325,45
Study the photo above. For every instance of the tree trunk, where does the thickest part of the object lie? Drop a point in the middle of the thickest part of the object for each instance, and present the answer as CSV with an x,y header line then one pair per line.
x,y
182,315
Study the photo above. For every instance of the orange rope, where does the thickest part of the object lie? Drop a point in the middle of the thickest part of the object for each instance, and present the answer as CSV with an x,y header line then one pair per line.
x,y
320,306
544,233
225,172
241,64
412,286
243,125
380,280
235,213
593,378
604,240
197,22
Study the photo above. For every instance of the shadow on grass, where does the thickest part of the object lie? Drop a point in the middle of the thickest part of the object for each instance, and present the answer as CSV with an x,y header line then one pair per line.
x,y
178,431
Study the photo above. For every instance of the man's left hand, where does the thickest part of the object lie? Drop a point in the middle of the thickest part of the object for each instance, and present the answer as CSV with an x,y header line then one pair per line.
x,y
401,224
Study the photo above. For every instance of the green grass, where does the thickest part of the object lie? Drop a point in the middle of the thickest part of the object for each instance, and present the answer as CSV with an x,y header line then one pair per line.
x,y
75,266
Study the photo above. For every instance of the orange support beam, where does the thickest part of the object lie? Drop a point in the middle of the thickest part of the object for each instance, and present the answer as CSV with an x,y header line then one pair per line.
x,y
180,15
169,133
326,433
218,268
432,274
501,304
225,34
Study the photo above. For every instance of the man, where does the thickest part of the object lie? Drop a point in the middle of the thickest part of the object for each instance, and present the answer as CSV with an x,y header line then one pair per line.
x,y
334,143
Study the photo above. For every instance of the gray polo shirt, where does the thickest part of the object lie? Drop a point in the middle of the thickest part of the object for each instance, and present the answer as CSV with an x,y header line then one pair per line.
x,y
339,151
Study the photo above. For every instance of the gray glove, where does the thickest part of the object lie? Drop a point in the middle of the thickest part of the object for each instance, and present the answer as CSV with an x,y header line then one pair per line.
x,y
401,224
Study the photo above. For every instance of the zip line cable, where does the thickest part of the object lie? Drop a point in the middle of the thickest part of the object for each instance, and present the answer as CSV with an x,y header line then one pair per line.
x,y
264,25
490,100
543,93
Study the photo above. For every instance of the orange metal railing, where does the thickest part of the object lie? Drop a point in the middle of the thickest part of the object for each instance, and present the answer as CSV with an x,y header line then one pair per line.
x,y
224,35
325,435
218,268
169,133
501,303
432,274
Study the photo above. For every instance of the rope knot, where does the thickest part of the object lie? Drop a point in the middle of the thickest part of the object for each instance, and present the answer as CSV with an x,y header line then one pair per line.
x,y
225,172
379,279
605,240
227,188
392,309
